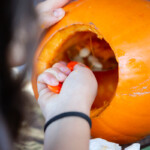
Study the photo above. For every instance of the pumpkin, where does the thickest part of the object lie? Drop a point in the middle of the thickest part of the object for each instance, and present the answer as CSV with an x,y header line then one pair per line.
x,y
118,30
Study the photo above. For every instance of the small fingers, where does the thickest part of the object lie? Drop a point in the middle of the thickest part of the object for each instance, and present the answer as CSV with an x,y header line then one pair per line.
x,y
43,89
62,66
45,92
59,75
41,86
48,14
49,18
52,77
46,79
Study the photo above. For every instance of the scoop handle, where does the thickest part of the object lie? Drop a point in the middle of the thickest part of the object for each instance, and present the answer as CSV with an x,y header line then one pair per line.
x,y
57,89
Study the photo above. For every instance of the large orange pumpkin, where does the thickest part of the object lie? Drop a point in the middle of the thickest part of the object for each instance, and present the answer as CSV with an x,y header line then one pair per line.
x,y
121,111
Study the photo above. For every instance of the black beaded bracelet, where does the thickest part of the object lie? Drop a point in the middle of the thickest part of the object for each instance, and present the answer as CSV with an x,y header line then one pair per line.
x,y
68,114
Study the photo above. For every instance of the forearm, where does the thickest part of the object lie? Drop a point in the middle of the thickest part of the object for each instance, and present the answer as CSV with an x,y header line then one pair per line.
x,y
70,133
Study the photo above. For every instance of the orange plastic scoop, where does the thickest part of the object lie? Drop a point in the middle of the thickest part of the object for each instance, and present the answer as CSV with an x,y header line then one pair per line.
x,y
57,89
71,65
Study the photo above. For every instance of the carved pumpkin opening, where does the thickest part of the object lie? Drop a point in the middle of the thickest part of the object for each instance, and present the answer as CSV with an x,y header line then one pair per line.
x,y
127,30
87,48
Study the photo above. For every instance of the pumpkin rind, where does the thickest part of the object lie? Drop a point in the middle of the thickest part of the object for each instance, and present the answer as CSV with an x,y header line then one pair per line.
x,y
125,25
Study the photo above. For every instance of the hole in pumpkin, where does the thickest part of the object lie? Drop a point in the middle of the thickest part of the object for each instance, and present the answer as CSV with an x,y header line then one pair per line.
x,y
87,48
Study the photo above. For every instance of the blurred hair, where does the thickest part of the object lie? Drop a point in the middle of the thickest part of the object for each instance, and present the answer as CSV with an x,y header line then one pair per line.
x,y
14,14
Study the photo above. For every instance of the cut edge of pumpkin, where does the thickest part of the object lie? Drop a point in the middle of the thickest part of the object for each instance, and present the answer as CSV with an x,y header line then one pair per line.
x,y
54,42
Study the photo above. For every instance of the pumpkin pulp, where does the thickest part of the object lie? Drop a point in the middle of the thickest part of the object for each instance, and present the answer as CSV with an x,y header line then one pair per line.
x,y
107,76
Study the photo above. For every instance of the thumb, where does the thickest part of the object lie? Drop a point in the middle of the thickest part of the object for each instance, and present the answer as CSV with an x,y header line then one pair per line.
x,y
50,18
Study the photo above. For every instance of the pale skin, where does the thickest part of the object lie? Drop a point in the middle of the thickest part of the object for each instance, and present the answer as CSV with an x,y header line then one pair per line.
x,y
50,12
69,133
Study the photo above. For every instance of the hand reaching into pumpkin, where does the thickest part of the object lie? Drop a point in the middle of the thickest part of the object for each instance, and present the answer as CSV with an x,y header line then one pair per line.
x,y
50,12
76,93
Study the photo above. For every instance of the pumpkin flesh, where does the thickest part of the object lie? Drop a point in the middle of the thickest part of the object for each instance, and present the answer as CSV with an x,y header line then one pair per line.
x,y
125,116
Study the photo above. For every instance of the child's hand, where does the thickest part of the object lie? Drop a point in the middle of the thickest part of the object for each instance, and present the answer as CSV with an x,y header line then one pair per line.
x,y
77,94
50,12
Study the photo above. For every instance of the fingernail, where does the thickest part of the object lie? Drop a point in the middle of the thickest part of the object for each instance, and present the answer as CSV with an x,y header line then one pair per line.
x,y
61,76
65,69
58,13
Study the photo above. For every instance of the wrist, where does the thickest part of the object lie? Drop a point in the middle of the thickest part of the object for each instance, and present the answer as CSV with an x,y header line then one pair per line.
x,y
68,107
66,115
